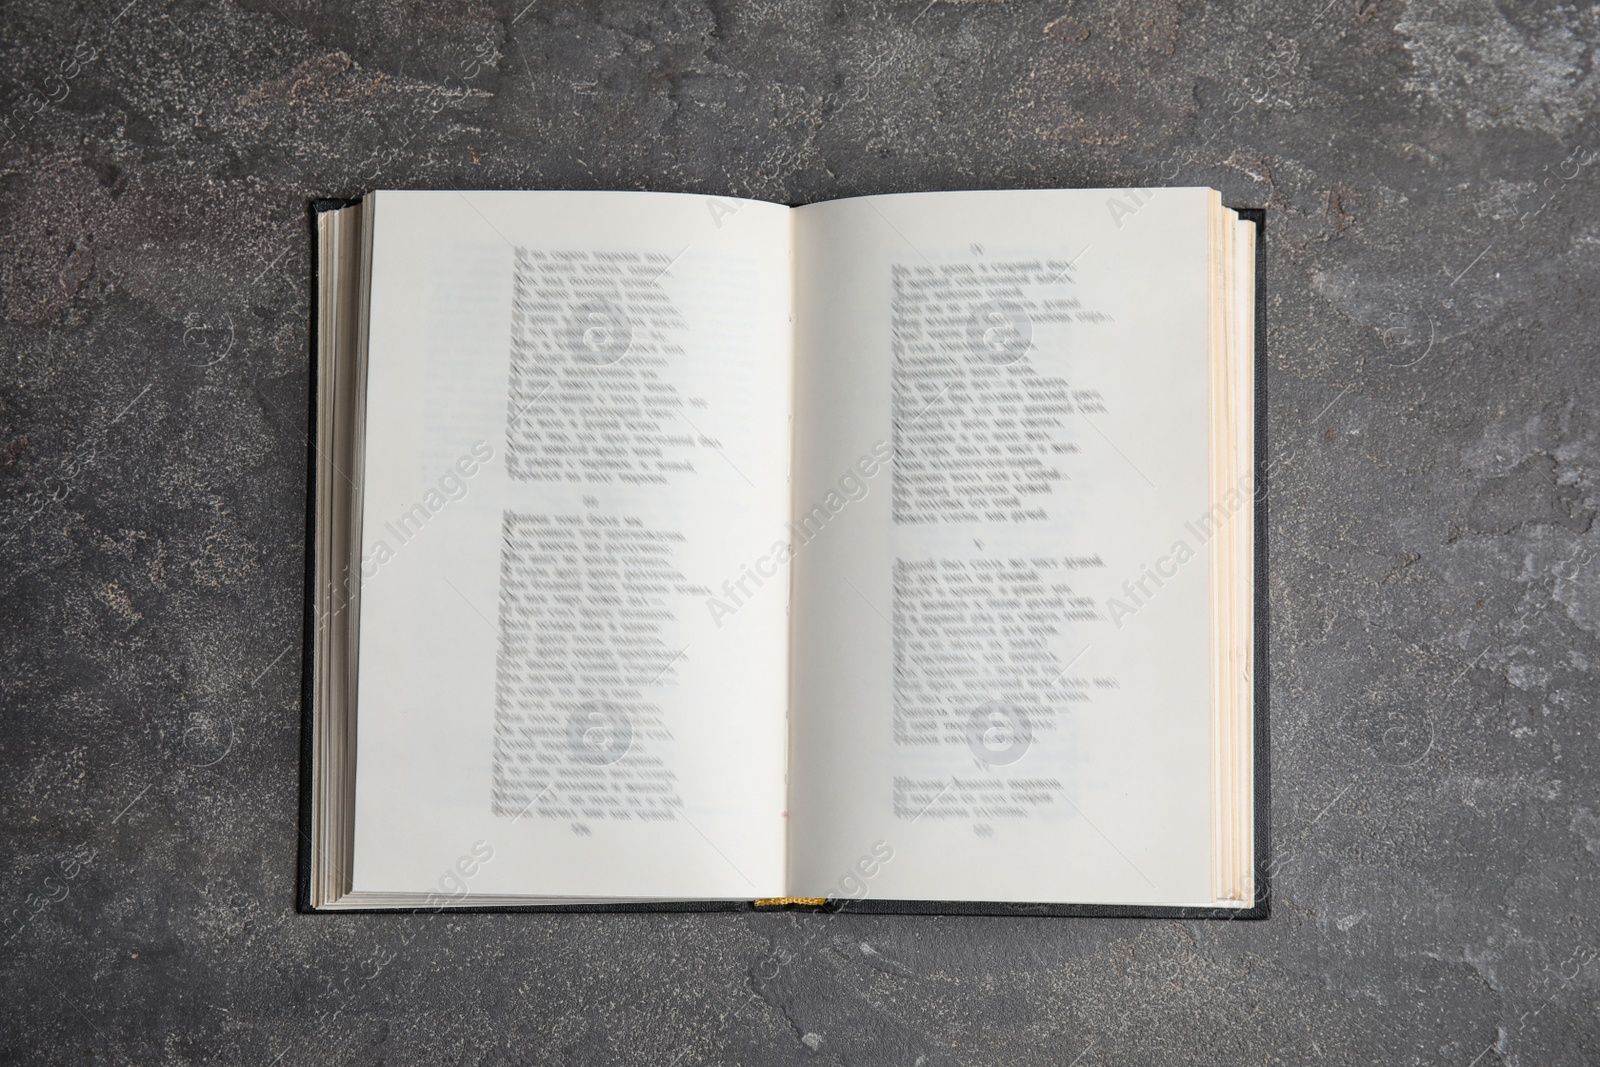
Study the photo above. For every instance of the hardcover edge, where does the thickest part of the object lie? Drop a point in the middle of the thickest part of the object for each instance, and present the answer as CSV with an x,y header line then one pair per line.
x,y
315,208
1261,718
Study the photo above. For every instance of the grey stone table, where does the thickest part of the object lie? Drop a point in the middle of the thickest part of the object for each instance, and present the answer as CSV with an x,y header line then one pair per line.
x,y
1432,272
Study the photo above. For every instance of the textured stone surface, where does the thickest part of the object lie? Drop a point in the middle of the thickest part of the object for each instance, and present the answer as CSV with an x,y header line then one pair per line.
x,y
1432,257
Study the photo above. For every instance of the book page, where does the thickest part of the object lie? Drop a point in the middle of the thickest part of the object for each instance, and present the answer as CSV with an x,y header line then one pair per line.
x,y
573,636
1001,616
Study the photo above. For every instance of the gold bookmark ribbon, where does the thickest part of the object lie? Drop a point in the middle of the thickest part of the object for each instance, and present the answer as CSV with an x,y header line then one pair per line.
x,y
778,902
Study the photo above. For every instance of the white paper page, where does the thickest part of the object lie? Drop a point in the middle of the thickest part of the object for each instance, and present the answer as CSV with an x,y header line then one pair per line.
x,y
556,485
1047,352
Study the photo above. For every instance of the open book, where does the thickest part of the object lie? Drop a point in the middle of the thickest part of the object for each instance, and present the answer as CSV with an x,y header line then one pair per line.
x,y
686,551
